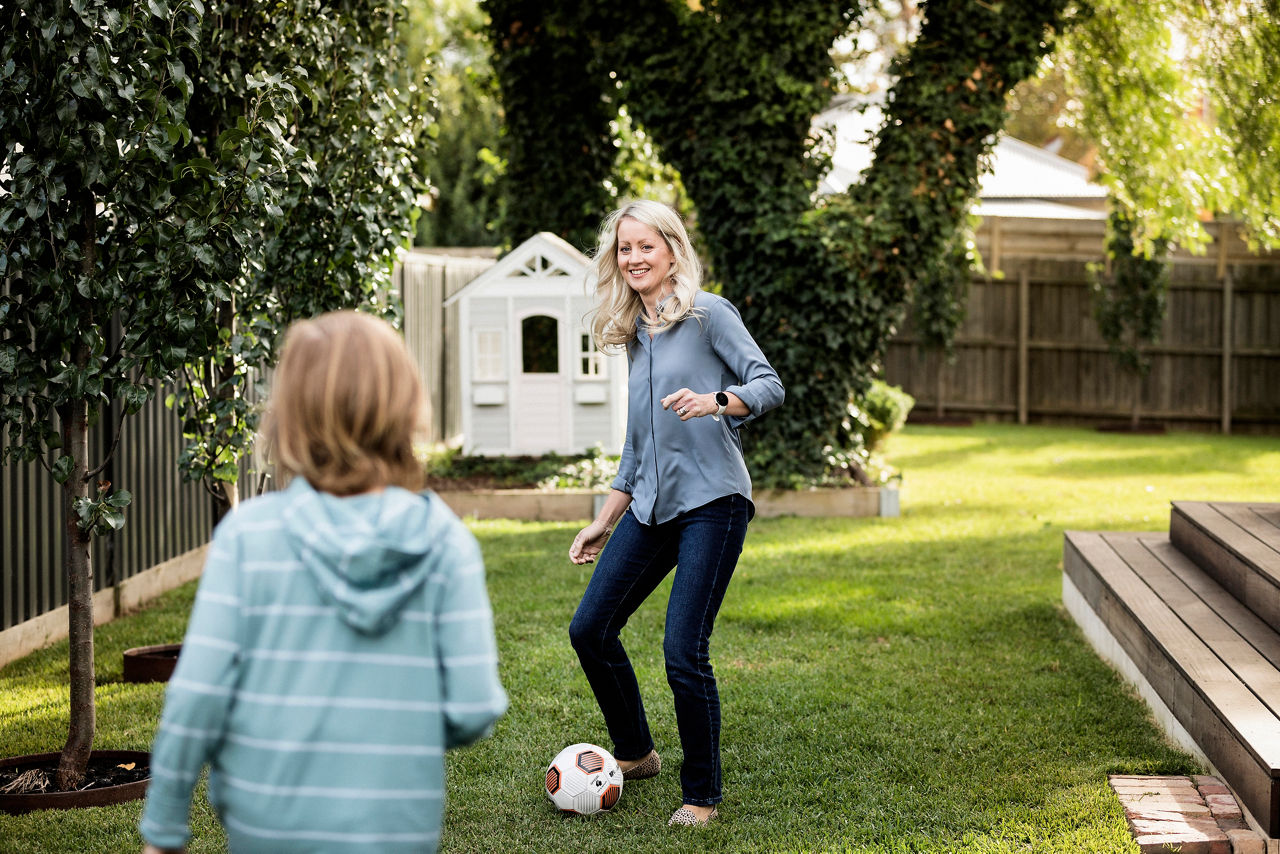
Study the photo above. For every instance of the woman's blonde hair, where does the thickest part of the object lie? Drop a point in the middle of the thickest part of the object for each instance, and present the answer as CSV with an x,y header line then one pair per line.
x,y
612,319
346,405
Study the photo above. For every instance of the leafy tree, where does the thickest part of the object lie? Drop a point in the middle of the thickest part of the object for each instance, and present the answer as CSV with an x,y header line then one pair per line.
x,y
118,241
461,161
1180,98
728,92
330,240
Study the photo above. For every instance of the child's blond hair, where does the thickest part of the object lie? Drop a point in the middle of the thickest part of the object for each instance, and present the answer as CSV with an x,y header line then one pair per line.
x,y
347,405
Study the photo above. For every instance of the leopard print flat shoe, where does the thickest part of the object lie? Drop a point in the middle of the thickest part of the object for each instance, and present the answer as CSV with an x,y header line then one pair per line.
x,y
685,816
647,768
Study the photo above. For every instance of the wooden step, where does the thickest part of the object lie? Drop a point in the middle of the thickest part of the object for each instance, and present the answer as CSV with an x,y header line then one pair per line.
x,y
1212,662
1238,544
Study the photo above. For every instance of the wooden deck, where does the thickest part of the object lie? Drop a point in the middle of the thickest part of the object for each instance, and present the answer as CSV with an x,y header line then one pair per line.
x,y
1197,615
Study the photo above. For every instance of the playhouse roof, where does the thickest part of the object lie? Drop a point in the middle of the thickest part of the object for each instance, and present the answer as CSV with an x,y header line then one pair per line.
x,y
543,259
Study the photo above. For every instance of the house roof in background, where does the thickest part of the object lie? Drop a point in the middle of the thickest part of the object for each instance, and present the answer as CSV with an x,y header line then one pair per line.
x,y
1018,170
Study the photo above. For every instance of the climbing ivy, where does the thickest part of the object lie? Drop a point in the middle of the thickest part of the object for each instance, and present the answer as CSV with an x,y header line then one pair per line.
x,y
728,91
1129,298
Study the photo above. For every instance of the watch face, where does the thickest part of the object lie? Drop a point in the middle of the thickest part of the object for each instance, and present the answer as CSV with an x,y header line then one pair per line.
x,y
722,399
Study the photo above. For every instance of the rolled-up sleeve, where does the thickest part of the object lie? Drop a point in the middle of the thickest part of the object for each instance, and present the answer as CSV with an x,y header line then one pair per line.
x,y
625,480
759,386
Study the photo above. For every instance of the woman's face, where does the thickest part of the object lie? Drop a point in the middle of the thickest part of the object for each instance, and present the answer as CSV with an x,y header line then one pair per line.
x,y
644,258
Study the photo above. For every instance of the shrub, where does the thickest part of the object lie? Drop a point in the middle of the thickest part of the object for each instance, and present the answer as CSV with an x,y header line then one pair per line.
x,y
882,411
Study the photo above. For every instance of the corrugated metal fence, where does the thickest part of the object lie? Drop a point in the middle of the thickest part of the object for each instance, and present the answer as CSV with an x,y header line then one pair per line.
x,y
166,518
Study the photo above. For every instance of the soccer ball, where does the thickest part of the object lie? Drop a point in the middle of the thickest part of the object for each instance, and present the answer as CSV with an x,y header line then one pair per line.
x,y
584,779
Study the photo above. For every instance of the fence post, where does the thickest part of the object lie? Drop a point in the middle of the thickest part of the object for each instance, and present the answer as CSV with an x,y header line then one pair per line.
x,y
1024,335
1228,335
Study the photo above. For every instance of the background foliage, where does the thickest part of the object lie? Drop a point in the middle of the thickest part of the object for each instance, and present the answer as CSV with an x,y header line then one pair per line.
x,y
1180,98
461,162
728,93
346,203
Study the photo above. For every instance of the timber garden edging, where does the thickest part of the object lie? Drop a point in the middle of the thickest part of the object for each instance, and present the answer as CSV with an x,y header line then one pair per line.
x,y
568,505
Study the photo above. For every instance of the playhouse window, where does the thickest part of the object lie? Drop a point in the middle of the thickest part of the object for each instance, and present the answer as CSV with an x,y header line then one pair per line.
x,y
590,360
539,345
487,364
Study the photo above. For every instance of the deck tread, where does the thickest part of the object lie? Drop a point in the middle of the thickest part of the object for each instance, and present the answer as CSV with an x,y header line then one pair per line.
x,y
1248,530
1179,620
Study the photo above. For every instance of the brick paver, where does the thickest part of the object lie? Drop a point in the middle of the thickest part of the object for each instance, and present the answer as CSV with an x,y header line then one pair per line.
x,y
1193,815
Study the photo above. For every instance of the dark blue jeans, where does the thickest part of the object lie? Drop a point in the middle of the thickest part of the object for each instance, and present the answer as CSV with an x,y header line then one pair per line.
x,y
703,544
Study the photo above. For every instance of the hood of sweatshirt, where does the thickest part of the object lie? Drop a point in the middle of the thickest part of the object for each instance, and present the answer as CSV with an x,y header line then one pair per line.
x,y
370,553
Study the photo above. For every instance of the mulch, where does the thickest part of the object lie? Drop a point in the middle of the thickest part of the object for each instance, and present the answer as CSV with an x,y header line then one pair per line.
x,y
100,774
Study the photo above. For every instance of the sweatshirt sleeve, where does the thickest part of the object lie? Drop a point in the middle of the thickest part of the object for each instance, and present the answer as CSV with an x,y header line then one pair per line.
x,y
468,652
758,384
198,695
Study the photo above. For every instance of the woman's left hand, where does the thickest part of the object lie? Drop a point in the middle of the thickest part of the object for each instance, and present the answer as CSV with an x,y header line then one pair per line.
x,y
687,404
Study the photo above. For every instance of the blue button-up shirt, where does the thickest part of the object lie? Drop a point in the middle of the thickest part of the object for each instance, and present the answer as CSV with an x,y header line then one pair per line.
x,y
670,466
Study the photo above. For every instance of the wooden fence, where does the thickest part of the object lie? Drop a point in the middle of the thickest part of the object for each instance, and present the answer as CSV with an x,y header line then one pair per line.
x,y
1029,349
426,279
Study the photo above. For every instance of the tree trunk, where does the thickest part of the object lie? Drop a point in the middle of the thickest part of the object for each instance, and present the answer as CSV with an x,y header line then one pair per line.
x,y
221,375
77,557
79,566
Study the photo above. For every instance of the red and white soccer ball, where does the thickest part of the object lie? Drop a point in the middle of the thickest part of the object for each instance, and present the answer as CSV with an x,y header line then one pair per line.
x,y
584,779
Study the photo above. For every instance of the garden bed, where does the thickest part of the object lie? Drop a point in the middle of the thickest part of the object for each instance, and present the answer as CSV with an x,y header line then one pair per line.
x,y
567,505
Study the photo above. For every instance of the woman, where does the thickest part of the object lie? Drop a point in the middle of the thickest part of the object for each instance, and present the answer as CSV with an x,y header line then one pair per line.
x,y
682,497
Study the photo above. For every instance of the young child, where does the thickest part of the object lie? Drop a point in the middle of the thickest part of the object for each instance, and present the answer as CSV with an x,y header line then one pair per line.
x,y
342,637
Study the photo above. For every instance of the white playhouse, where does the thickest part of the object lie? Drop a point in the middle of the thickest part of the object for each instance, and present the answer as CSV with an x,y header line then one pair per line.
x,y
532,380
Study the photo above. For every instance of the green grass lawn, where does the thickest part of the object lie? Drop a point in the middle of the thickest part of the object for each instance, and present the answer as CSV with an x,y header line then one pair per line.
x,y
909,684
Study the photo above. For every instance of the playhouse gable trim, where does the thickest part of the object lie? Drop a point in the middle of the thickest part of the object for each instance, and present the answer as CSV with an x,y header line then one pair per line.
x,y
539,266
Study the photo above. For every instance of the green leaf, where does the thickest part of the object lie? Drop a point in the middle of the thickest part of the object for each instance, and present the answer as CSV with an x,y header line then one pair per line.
x,y
62,468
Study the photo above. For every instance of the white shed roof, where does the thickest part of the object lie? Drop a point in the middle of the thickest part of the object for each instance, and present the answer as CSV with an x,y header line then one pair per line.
x,y
1019,170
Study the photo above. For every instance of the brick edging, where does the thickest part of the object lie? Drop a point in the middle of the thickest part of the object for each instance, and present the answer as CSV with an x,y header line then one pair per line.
x,y
1193,815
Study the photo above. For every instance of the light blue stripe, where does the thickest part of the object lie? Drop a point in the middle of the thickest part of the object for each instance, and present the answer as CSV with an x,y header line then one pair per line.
x,y
323,836
338,702
281,746
186,732
343,657
331,792
272,566
217,598
213,643
161,771
200,687
469,660
466,616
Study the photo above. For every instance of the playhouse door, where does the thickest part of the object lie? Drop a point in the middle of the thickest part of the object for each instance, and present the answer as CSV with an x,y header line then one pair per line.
x,y
540,396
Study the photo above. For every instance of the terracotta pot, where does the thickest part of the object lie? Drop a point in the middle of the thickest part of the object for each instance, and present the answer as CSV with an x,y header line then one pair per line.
x,y
18,804
151,663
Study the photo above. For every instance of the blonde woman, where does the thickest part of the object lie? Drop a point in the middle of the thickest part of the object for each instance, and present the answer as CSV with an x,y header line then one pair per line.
x,y
682,498
341,638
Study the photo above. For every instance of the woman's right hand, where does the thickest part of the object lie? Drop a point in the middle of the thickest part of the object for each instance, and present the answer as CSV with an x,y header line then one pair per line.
x,y
589,542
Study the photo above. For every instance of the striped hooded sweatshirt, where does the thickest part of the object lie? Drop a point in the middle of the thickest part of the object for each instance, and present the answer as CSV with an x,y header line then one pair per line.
x,y
337,648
